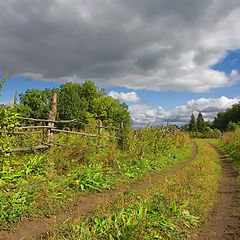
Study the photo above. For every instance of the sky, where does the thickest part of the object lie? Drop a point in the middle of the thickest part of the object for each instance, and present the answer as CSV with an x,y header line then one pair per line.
x,y
166,59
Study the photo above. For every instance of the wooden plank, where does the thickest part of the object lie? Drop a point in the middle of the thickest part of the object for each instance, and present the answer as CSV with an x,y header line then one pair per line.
x,y
37,140
77,133
80,133
16,132
66,121
57,130
48,144
24,149
47,120
31,127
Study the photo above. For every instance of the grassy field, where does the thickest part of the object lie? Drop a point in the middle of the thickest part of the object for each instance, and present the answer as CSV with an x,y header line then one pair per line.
x,y
169,209
41,184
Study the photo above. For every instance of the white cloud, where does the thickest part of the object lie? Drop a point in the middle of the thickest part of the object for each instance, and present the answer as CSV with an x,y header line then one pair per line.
x,y
7,103
139,44
144,114
131,97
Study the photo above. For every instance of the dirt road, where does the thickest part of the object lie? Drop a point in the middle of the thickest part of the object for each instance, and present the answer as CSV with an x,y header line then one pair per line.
x,y
86,205
224,219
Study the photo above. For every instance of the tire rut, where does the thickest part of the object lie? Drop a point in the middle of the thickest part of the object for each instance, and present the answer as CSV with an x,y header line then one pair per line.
x,y
86,205
224,219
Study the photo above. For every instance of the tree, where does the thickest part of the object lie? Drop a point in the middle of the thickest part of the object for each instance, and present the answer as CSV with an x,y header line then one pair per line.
x,y
76,101
38,101
89,92
222,119
231,126
71,105
200,122
110,111
192,125
185,127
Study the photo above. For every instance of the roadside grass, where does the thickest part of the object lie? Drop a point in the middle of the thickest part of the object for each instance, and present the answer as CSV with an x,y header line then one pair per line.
x,y
41,184
229,143
169,209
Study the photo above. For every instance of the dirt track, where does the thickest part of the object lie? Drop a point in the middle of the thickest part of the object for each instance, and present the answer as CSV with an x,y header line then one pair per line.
x,y
86,205
224,219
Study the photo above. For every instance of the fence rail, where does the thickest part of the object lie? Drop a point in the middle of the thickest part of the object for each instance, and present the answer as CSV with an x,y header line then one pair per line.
x,y
68,121
28,148
51,129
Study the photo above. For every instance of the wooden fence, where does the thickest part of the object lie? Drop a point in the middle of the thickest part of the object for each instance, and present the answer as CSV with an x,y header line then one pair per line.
x,y
51,129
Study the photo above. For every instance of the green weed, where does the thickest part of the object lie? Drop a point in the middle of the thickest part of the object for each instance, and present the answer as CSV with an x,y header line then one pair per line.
x,y
169,209
57,176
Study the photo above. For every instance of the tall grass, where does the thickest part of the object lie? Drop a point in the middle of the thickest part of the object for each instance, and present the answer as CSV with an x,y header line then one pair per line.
x,y
169,209
39,184
2,81
230,144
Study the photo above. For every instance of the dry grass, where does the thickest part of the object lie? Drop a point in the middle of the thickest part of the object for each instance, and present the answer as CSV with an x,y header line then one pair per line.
x,y
230,144
169,209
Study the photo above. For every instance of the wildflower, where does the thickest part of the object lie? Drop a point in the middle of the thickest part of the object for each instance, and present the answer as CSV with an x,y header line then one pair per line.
x,y
77,182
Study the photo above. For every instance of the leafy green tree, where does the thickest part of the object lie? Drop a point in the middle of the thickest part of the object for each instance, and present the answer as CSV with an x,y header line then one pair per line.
x,y
110,111
75,101
200,122
89,92
207,129
185,127
70,103
121,114
232,126
192,124
209,124
223,118
38,101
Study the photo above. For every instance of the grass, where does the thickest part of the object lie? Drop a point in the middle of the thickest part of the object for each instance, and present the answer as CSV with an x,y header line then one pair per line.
x,y
230,145
169,209
37,185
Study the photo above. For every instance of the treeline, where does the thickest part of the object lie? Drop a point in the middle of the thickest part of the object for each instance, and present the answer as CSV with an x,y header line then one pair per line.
x,y
197,126
228,119
82,102
200,128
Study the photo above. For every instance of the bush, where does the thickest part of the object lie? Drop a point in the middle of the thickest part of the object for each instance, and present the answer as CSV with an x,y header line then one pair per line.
x,y
206,134
231,126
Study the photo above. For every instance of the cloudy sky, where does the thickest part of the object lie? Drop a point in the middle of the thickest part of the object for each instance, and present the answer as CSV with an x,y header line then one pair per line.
x,y
166,58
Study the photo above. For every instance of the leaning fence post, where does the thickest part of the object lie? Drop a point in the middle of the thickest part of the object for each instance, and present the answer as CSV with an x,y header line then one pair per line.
x,y
100,132
52,117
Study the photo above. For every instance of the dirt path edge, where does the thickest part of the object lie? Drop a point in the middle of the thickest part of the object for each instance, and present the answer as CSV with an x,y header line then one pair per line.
x,y
86,205
223,222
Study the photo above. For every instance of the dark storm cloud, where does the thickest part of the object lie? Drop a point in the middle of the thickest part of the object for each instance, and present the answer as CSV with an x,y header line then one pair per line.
x,y
160,45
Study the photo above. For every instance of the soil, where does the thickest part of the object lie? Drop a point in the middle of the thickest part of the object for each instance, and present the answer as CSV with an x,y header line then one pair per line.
x,y
223,222
85,205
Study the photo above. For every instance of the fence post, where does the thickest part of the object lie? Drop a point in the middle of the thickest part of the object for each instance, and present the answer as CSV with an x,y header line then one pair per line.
x,y
52,117
100,132
135,134
122,127
121,133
